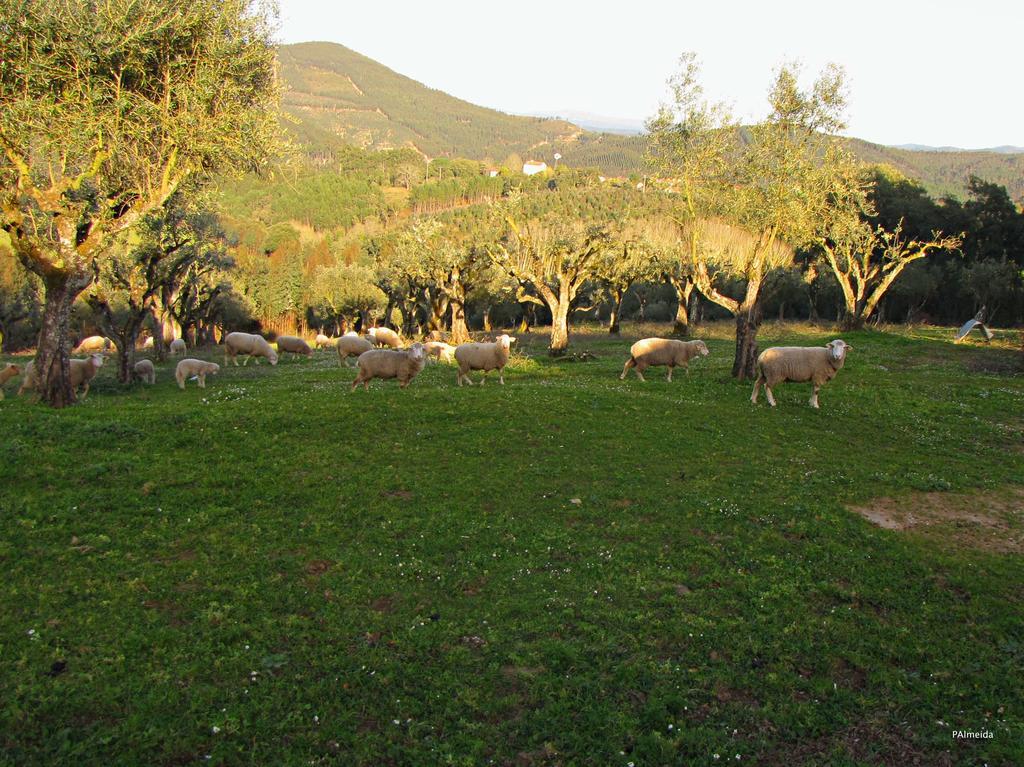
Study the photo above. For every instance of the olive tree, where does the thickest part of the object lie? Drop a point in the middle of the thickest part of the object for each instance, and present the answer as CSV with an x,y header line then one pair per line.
x,y
107,109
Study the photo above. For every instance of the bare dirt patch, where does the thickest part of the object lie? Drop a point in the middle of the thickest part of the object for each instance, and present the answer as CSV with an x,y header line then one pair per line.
x,y
991,520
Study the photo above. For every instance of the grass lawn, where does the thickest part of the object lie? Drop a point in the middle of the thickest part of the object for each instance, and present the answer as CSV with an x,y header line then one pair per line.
x,y
567,570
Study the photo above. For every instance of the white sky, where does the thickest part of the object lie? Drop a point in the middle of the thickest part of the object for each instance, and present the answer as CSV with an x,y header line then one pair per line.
x,y
938,73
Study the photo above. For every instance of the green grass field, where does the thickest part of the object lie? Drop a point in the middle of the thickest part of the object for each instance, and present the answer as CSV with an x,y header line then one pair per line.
x,y
567,570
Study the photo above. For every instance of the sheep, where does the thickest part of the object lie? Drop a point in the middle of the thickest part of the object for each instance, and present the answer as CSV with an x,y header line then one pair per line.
x,y
799,364
485,357
193,367
324,341
178,347
250,344
93,344
384,337
29,380
662,351
440,351
143,370
82,372
385,363
9,371
293,345
351,346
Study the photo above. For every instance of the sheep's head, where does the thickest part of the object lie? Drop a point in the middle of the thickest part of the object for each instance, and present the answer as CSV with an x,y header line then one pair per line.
x,y
272,357
417,352
505,340
837,350
12,368
97,360
213,369
702,348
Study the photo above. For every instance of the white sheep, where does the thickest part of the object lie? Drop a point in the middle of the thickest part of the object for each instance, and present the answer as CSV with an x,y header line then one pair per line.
x,y
386,363
82,372
143,370
93,344
178,346
817,364
293,345
384,337
485,357
655,352
440,351
351,346
247,343
193,367
323,341
9,371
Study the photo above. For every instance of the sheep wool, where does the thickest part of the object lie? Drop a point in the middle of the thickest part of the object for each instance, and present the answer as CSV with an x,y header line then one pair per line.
x,y
323,341
351,346
799,364
198,368
655,352
250,344
178,346
385,363
293,345
143,370
485,357
440,351
93,344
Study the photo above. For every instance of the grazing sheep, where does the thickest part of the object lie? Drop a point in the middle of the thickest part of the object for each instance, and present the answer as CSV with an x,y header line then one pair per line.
x,y
10,371
293,345
817,364
323,341
143,370
178,347
82,372
654,352
93,344
250,344
440,351
485,357
385,363
198,368
384,337
351,346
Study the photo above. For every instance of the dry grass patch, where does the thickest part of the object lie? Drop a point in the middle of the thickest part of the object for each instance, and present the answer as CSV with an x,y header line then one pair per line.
x,y
990,520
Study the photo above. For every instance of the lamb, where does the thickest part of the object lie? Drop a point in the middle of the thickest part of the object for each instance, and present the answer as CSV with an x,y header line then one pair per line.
x,y
351,346
192,367
178,347
662,351
440,351
250,344
143,370
385,363
384,337
10,371
322,341
93,344
485,357
293,345
82,372
799,364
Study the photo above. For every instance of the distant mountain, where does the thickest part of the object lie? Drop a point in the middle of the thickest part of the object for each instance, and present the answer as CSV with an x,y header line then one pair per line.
x,y
926,148
624,126
335,96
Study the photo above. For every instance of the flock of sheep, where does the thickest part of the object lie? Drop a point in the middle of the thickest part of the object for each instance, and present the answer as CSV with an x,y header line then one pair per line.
x,y
815,365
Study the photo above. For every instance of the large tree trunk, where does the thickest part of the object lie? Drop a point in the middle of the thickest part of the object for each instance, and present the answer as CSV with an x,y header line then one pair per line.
x,y
684,289
460,330
745,363
487,318
613,320
52,362
559,329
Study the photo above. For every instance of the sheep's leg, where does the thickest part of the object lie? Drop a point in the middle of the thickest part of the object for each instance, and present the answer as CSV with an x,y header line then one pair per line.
x,y
670,369
814,397
640,372
501,376
768,394
85,391
202,380
483,378
625,368
757,389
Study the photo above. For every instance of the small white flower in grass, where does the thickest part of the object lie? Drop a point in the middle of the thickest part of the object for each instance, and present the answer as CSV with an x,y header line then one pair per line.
x,y
216,729
396,721
671,727
715,755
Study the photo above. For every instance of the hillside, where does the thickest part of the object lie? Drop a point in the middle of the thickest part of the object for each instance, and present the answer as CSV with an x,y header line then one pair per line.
x,y
336,96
